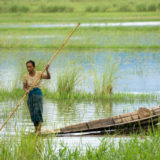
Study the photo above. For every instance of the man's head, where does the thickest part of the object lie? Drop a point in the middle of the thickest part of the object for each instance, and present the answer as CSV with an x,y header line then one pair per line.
x,y
30,66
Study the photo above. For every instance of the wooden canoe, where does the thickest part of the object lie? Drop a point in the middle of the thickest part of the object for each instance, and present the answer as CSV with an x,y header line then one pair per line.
x,y
121,123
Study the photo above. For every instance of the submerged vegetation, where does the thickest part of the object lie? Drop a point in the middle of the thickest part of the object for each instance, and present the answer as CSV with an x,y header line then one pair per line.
x,y
104,38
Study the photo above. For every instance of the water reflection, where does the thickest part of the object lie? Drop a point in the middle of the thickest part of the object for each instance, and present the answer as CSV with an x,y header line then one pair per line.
x,y
59,114
139,71
104,108
62,113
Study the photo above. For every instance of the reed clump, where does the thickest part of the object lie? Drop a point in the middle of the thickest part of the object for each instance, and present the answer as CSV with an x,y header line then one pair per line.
x,y
18,8
109,78
96,9
141,7
15,8
152,7
48,9
66,81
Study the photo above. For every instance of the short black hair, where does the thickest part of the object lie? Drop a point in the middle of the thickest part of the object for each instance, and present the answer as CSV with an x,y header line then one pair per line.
x,y
30,61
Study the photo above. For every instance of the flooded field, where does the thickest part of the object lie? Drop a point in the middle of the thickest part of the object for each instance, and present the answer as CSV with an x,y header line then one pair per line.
x,y
138,72
134,71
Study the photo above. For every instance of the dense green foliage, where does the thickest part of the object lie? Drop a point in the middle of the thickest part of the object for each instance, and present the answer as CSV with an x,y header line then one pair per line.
x,y
78,6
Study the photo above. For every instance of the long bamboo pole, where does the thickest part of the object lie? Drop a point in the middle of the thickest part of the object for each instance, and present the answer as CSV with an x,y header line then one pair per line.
x,y
38,78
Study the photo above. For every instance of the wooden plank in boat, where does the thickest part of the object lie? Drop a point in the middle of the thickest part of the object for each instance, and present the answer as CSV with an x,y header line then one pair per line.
x,y
156,110
135,116
117,119
149,121
153,111
76,127
100,123
126,117
145,121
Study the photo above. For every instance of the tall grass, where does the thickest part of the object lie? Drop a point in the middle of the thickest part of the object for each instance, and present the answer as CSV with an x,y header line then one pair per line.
x,y
17,93
18,8
78,6
136,147
54,8
96,9
109,78
12,94
66,81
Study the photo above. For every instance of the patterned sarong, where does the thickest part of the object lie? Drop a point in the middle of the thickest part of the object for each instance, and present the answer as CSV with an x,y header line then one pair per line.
x,y
35,105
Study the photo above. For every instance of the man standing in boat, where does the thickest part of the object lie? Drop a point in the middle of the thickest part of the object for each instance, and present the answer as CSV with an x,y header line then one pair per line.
x,y
35,96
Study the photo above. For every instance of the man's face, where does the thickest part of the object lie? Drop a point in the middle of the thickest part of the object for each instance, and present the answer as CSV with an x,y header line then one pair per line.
x,y
30,67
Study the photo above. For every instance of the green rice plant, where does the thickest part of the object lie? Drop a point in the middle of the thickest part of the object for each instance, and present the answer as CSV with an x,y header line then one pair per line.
x,y
97,85
13,8
125,8
1,9
17,8
11,94
67,80
109,78
96,9
70,6
132,38
24,8
56,9
141,7
158,6
152,7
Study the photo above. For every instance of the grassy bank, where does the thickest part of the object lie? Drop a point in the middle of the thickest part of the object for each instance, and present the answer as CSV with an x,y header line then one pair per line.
x,y
32,147
77,17
116,97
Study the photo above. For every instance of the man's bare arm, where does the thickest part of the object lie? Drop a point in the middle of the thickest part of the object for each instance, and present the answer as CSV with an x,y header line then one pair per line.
x,y
25,88
48,75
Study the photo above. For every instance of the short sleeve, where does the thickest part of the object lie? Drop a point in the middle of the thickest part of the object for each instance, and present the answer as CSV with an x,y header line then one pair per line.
x,y
42,77
25,79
